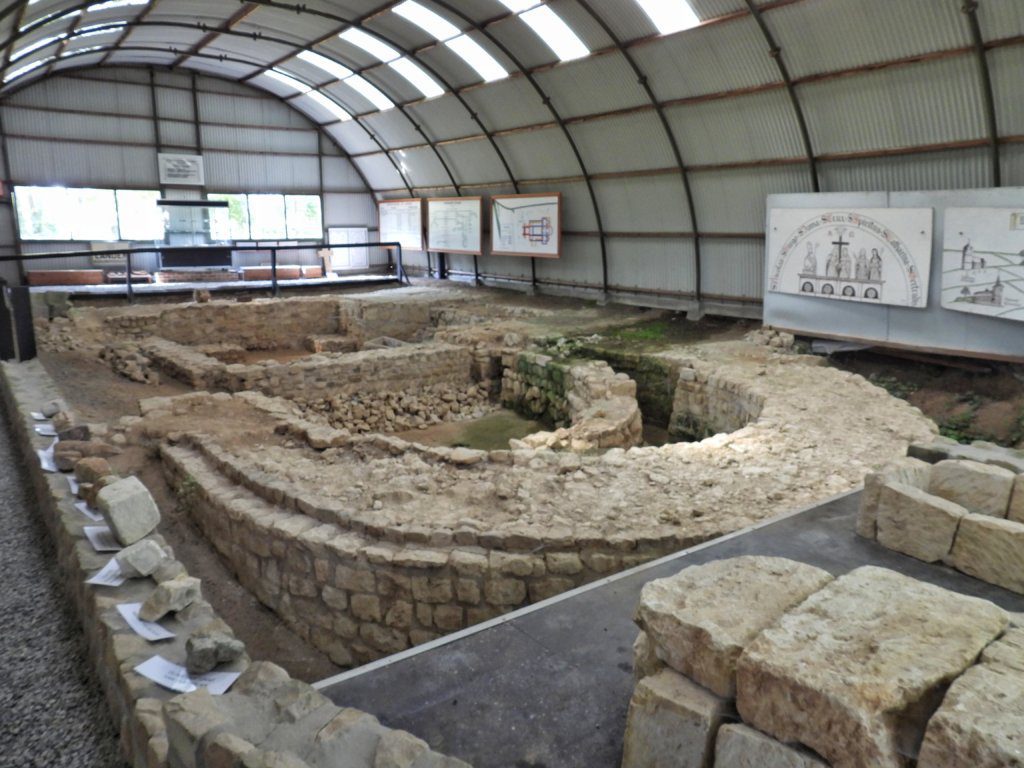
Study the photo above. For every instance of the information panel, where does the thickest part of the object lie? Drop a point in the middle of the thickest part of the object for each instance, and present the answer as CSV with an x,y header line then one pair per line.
x,y
455,225
873,255
402,221
181,170
983,262
527,225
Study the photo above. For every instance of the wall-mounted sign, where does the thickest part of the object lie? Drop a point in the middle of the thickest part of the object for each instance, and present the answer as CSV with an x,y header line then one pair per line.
x,y
181,170
873,255
401,221
527,225
455,224
983,262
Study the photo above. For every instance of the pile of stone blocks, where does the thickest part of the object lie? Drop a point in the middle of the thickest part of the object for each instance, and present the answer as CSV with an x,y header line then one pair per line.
x,y
966,509
761,662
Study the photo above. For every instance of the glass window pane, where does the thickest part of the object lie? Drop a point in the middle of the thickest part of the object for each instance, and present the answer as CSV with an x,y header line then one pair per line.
x,y
266,213
42,213
304,217
231,223
139,216
93,214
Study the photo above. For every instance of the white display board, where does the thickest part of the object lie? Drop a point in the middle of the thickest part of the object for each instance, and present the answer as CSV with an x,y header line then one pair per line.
x,y
983,262
527,225
181,170
401,221
872,255
455,225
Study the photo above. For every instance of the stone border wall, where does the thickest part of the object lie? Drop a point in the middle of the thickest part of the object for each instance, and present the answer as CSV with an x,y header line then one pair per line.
x,y
706,403
267,719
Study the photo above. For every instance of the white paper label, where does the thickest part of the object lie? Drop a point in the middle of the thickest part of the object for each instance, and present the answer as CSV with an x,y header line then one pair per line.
x,y
72,484
108,576
149,630
46,430
82,507
176,677
46,460
101,538
38,416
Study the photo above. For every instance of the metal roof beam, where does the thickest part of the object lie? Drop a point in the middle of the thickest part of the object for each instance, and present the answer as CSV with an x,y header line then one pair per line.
x,y
970,9
207,39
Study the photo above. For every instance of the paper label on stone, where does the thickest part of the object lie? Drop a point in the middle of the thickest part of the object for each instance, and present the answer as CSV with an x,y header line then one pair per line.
x,y
46,430
108,576
72,484
176,678
46,459
38,416
93,515
150,630
101,538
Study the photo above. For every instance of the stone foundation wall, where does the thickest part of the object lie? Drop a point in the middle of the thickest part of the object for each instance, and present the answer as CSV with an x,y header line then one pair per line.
x,y
266,719
706,403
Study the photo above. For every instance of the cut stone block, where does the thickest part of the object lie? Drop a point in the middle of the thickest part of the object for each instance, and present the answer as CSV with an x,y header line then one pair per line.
x,y
980,723
700,620
992,550
645,658
140,559
741,747
91,469
672,723
907,470
983,489
173,595
129,510
917,523
1016,509
1008,651
985,453
856,670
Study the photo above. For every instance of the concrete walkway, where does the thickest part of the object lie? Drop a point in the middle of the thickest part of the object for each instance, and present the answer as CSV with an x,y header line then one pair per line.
x,y
52,712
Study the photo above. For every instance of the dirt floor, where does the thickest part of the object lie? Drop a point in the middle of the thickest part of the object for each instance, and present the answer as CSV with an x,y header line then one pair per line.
x,y
978,401
489,433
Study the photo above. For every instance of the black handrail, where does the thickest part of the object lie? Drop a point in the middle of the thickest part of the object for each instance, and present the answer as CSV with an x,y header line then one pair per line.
x,y
161,250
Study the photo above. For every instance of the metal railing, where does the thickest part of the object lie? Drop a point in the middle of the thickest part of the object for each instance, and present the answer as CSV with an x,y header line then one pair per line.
x,y
171,250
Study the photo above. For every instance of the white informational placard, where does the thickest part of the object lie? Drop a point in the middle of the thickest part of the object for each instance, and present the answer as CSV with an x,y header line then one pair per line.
x,y
455,225
175,677
873,255
181,170
83,507
108,576
527,225
401,221
46,430
983,262
348,258
101,538
148,630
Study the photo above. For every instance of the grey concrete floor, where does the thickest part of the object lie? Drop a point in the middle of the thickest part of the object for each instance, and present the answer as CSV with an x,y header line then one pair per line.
x,y
549,687
52,712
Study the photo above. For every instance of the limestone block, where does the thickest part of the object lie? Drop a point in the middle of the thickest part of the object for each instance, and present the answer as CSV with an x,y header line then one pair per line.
x,y
259,758
991,550
645,658
140,559
985,453
1016,509
854,672
908,470
980,723
189,717
672,723
225,750
916,523
129,510
1007,650
700,620
92,468
211,645
172,595
739,746
983,489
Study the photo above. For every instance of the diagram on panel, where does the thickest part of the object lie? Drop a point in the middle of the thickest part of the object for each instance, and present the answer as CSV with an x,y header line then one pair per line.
x,y
526,225
983,262
454,224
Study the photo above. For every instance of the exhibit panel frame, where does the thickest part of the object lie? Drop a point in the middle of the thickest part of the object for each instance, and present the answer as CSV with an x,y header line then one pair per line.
x,y
929,329
539,237
392,228
454,217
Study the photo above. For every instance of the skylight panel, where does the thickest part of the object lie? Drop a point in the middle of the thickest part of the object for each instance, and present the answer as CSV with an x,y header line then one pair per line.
x,y
330,105
291,82
36,46
419,79
370,44
518,6
549,26
327,65
370,92
473,54
16,73
670,15
115,4
100,29
432,23
44,20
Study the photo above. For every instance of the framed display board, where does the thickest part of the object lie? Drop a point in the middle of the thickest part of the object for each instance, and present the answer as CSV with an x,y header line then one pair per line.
x,y
402,221
181,170
871,255
983,262
527,225
455,225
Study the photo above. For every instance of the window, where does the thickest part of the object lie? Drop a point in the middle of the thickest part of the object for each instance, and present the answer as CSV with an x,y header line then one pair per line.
x,y
266,217
670,15
57,213
138,216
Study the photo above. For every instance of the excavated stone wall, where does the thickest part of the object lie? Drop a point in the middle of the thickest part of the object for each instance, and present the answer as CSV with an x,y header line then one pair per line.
x,y
706,403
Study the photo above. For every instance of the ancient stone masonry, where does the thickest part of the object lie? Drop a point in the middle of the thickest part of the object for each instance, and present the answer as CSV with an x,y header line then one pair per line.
x,y
768,663
966,509
266,719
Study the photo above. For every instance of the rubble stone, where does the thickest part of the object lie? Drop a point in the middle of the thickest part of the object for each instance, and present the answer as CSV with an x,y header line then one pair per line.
x,y
739,746
700,620
129,510
1016,508
845,675
140,559
917,523
172,595
211,645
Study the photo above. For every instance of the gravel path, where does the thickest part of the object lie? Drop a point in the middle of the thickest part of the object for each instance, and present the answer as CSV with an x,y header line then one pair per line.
x,y
52,712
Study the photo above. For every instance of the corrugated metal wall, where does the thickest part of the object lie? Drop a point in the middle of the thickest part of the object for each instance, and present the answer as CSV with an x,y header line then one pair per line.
x,y
96,128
